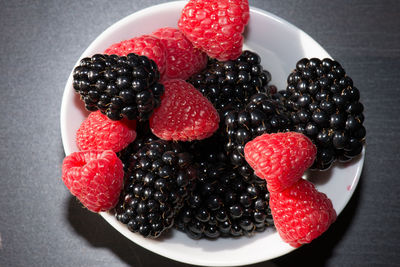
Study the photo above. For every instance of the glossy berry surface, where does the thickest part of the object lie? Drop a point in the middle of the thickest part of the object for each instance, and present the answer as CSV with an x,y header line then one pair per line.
x,y
98,132
230,84
158,178
301,213
182,58
280,158
145,45
262,114
94,177
223,203
325,106
184,114
120,87
216,26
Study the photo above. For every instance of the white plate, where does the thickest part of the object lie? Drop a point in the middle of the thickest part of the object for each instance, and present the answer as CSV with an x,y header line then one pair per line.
x,y
280,45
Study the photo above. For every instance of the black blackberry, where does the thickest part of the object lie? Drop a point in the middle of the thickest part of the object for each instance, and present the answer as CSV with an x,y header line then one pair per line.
x,y
120,87
223,204
325,106
144,136
229,84
157,182
262,114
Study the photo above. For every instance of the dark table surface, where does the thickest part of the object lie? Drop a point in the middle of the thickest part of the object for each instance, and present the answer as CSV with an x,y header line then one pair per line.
x,y
42,225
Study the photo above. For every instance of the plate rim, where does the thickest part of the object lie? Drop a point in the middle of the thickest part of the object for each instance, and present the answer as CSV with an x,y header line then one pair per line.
x,y
108,216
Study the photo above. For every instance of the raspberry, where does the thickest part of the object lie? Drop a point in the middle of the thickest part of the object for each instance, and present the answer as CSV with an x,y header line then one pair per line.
x,y
262,114
145,45
280,158
98,132
301,213
94,177
183,59
216,26
184,114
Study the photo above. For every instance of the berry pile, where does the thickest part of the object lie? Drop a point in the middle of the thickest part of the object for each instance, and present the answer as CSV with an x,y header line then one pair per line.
x,y
300,212
158,179
324,105
183,59
262,114
223,203
145,45
186,131
184,115
230,84
120,87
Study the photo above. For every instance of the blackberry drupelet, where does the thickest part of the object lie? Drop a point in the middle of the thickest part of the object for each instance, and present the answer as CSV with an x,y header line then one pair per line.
x,y
144,136
120,87
325,106
223,204
158,179
229,84
262,114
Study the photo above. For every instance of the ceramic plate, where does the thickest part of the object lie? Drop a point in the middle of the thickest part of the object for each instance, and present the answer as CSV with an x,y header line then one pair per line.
x,y
280,45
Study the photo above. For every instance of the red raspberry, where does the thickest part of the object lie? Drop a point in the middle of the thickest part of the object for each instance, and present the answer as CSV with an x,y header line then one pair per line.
x,y
94,177
145,45
97,132
280,158
184,114
301,213
216,26
183,59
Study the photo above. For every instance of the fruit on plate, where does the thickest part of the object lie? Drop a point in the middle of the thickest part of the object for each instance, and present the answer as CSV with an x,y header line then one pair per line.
x,y
262,114
94,177
223,203
98,132
120,87
145,45
301,213
182,58
216,26
280,158
162,152
158,178
184,114
230,84
325,106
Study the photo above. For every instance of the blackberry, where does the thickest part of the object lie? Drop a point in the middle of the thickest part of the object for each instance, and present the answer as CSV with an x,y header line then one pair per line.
x,y
262,114
325,106
223,204
120,87
144,136
158,178
229,84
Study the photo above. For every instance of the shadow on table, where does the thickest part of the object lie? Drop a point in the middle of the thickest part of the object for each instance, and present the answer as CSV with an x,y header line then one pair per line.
x,y
99,234
320,250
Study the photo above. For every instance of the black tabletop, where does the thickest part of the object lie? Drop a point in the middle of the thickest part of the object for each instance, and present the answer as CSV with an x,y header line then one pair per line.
x,y
42,225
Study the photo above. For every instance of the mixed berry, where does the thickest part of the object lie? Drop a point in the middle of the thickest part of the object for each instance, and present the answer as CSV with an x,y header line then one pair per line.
x,y
230,84
119,86
187,132
324,105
